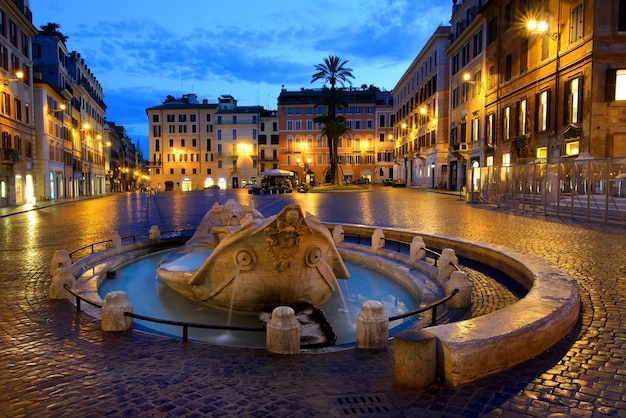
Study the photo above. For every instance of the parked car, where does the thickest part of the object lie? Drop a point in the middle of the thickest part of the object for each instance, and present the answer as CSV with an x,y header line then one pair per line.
x,y
362,180
388,182
399,183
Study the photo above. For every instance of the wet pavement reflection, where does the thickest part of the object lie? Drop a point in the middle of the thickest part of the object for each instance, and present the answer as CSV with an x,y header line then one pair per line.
x,y
57,363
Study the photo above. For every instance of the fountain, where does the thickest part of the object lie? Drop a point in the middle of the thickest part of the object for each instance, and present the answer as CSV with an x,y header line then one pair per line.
x,y
461,351
240,261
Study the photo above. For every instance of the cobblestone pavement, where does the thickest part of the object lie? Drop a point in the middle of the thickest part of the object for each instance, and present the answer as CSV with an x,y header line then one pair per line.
x,y
55,362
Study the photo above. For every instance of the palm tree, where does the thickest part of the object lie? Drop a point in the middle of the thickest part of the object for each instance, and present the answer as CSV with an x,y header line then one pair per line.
x,y
332,70
53,29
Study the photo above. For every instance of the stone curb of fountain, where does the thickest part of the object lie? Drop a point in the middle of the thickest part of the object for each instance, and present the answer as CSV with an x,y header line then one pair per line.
x,y
478,347
474,348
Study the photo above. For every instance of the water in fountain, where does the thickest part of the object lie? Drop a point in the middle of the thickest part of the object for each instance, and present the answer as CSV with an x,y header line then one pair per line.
x,y
150,296
239,265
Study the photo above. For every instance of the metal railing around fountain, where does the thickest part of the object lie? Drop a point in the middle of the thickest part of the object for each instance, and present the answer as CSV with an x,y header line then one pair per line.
x,y
184,325
432,307
394,245
400,246
187,325
132,239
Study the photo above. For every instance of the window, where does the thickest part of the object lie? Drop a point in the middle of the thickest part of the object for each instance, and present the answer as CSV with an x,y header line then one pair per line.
x,y
478,42
492,80
455,64
155,118
506,159
491,128
522,125
182,118
572,148
506,123
508,15
523,56
621,16
574,100
576,30
170,118
157,145
455,98
492,30
192,118
542,153
475,126
616,85
508,67
465,54
171,143
234,134
543,111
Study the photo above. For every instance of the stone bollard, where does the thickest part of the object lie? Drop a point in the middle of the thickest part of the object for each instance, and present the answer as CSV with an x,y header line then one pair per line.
x,y
283,332
378,240
113,318
445,267
338,234
155,233
117,241
63,276
59,259
463,299
415,359
417,250
372,327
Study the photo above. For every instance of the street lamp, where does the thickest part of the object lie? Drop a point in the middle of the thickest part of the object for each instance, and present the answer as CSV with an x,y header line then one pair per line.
x,y
19,75
467,77
541,27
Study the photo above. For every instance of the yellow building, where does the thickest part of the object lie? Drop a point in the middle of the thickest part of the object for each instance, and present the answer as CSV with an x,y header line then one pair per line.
x,y
17,146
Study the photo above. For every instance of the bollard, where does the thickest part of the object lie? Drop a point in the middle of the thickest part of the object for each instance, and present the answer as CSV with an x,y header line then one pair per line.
x,y
63,276
445,264
378,239
372,327
338,234
283,332
117,241
155,233
113,318
59,259
415,359
417,249
463,299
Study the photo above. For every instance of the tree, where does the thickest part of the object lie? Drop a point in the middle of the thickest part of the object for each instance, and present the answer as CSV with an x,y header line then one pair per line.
x,y
332,70
53,29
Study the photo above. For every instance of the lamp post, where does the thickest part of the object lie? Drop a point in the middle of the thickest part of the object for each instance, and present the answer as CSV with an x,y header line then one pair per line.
x,y
542,27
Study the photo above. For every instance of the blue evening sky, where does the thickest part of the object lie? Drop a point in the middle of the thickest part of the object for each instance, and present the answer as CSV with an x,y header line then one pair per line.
x,y
141,51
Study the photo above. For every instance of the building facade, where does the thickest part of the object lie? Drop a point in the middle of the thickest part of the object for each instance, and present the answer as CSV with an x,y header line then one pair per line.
x,y
17,146
421,116
196,146
69,122
555,79
469,144
304,150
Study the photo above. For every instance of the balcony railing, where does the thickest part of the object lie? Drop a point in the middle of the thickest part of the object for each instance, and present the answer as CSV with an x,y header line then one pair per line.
x,y
10,155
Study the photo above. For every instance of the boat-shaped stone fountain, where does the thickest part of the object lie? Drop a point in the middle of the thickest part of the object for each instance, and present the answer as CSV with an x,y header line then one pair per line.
x,y
239,260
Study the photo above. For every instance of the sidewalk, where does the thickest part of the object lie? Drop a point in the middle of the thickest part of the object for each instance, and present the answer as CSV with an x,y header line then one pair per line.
x,y
27,207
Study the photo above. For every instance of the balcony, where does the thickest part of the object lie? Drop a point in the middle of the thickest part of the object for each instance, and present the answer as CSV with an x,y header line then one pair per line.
x,y
9,155
152,164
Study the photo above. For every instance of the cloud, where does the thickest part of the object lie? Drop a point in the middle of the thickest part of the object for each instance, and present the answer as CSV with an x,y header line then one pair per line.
x,y
249,49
